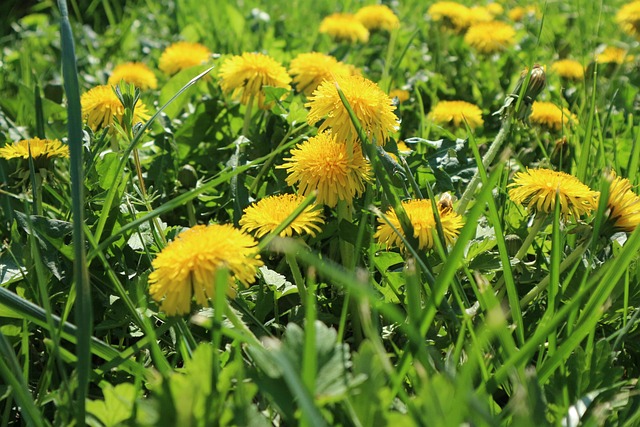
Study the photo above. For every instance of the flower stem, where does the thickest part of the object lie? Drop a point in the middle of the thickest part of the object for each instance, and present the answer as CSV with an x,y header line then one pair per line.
x,y
297,277
533,232
486,162
247,116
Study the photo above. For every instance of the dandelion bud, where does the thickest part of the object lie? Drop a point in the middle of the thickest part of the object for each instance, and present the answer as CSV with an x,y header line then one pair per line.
x,y
535,81
188,177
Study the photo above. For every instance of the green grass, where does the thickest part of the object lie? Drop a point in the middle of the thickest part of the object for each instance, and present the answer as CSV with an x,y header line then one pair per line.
x,y
524,320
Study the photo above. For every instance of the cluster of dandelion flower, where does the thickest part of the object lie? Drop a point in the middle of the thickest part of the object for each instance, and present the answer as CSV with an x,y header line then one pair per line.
x,y
373,108
422,218
344,27
378,17
550,116
244,76
460,17
457,113
135,73
623,205
569,69
101,106
266,215
36,148
188,265
629,18
182,55
311,69
327,166
536,189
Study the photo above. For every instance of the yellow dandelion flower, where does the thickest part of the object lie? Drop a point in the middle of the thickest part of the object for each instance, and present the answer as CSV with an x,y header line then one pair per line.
x,y
536,189
344,27
629,18
311,69
188,266
401,94
613,55
623,205
100,106
182,55
245,75
495,9
450,14
403,148
422,219
324,165
266,215
373,108
456,113
479,14
378,17
549,115
517,14
39,148
569,69
490,37
135,73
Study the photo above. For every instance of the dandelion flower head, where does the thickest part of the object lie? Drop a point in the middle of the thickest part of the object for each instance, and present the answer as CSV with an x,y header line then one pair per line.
x,y
421,216
325,165
401,94
100,106
517,14
344,27
536,189
182,55
378,17
569,69
495,9
613,55
373,108
456,113
311,69
629,17
451,14
623,205
549,115
266,215
490,37
244,76
188,265
135,73
39,148
479,14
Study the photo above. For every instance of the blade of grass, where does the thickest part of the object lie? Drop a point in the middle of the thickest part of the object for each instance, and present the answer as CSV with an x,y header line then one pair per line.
x,y
84,304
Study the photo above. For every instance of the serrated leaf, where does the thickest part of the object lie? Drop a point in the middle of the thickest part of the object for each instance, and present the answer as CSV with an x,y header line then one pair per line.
x,y
117,405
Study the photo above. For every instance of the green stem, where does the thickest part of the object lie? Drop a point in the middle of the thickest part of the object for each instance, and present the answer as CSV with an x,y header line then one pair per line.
x,y
191,213
533,232
486,162
247,116
347,255
297,277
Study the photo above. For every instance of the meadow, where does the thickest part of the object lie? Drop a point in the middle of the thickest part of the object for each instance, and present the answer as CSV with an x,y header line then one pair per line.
x,y
324,213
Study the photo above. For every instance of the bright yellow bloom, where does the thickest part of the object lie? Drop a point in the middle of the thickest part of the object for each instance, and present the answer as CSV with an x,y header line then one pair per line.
x,y
613,55
551,116
456,113
245,75
623,205
517,14
401,94
344,27
629,17
100,106
422,219
403,148
266,215
495,9
135,73
536,189
311,69
479,14
568,69
183,55
490,37
378,17
39,148
451,14
188,265
324,165
373,108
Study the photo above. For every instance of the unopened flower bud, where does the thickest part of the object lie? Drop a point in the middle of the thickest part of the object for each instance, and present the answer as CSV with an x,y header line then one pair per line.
x,y
530,84
188,177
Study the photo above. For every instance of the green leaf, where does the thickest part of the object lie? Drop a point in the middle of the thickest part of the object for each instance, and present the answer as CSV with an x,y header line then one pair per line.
x,y
176,83
117,405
